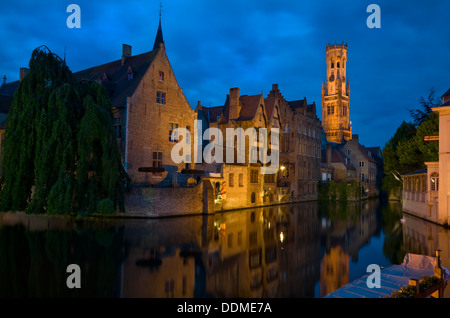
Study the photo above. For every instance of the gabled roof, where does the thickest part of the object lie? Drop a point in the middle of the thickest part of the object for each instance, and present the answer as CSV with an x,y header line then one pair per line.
x,y
114,76
365,152
211,113
250,105
296,104
270,103
338,157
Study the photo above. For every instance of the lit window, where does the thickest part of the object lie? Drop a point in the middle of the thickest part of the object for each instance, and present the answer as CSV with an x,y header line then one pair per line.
x,y
173,135
434,178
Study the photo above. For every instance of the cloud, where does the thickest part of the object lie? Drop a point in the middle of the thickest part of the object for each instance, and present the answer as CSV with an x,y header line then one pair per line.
x,y
216,45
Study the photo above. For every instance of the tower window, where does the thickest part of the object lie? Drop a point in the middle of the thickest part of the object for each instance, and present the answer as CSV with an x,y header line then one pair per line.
x,y
330,110
337,64
332,64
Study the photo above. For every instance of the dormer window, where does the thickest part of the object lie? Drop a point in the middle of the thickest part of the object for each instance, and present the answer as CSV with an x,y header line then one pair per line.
x,y
130,73
161,76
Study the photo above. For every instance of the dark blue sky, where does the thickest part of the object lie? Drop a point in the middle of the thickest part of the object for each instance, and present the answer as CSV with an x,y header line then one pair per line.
x,y
251,44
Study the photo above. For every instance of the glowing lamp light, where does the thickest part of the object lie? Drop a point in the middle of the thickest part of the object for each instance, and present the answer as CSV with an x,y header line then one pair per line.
x,y
281,237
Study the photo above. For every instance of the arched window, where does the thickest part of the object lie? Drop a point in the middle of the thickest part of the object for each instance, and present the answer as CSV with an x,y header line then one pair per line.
x,y
332,64
337,64
434,181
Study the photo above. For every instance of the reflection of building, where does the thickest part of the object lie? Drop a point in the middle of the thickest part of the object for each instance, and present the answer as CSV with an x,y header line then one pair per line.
x,y
423,237
298,231
426,192
334,270
240,258
346,229
158,273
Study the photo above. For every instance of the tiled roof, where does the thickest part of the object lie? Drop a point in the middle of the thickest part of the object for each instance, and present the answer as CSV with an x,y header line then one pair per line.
x,y
212,113
338,156
297,104
447,93
114,76
270,102
250,105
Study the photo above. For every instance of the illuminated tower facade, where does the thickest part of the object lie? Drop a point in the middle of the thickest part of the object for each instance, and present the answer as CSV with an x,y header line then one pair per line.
x,y
336,96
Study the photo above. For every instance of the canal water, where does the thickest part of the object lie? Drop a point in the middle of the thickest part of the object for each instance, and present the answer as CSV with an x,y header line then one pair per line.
x,y
302,250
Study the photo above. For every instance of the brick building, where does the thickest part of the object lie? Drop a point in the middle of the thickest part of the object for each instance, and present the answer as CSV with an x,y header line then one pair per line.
x,y
300,147
241,184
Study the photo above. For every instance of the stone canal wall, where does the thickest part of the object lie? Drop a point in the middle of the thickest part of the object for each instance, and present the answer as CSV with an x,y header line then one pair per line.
x,y
160,202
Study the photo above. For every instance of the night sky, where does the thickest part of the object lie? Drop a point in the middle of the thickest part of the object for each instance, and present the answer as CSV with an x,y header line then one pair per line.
x,y
251,44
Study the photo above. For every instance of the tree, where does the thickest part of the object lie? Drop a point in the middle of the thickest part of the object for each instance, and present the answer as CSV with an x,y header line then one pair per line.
x,y
421,115
392,166
60,142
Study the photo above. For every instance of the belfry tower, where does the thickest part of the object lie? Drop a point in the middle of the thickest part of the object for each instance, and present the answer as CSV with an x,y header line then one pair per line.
x,y
336,96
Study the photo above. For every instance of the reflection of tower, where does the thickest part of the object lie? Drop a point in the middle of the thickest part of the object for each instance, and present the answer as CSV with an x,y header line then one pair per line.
x,y
334,272
336,95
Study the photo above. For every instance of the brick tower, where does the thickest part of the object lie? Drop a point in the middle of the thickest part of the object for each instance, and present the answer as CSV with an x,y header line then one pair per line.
x,y
336,96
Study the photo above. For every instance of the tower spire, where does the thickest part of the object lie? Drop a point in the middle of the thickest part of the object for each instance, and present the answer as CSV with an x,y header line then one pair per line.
x,y
159,36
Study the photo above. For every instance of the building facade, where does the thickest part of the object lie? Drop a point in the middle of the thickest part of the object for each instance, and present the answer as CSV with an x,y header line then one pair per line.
x,y
300,147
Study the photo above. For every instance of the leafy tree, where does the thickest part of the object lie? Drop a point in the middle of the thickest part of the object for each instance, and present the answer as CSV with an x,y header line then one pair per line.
x,y
421,115
414,152
391,162
60,142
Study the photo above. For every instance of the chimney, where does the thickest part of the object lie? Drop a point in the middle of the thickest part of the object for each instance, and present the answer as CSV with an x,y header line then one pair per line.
x,y
235,107
355,137
23,72
126,52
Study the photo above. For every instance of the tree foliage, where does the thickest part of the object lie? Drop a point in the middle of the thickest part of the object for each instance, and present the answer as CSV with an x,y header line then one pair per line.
x,y
60,154
421,115
407,151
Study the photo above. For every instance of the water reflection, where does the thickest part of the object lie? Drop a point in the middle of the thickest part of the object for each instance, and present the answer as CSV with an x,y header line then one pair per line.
x,y
297,250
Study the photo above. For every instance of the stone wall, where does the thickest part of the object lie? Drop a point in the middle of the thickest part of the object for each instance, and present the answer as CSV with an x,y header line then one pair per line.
x,y
161,202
